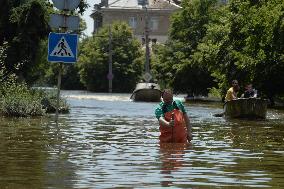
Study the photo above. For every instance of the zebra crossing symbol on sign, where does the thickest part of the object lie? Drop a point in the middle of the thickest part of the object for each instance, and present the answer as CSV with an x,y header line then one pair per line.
x,y
62,47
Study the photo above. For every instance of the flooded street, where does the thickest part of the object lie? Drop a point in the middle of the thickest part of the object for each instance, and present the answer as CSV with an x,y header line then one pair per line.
x,y
108,141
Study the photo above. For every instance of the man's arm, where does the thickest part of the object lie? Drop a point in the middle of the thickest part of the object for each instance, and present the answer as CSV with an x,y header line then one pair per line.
x,y
163,122
188,126
234,96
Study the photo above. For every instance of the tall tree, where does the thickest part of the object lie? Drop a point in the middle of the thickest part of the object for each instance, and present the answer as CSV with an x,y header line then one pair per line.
x,y
23,25
245,42
188,28
126,59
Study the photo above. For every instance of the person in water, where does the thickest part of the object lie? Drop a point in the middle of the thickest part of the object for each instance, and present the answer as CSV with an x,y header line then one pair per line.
x,y
174,122
250,92
233,91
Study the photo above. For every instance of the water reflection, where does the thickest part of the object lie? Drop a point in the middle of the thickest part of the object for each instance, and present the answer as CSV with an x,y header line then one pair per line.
x,y
114,144
172,158
23,150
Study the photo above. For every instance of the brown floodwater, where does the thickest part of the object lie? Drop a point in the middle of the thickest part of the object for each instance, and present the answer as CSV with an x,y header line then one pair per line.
x,y
108,141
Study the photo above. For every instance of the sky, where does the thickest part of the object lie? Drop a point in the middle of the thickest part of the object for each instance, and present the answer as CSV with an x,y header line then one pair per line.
x,y
87,18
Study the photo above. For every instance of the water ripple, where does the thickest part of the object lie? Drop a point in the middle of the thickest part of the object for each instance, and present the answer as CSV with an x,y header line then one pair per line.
x,y
107,141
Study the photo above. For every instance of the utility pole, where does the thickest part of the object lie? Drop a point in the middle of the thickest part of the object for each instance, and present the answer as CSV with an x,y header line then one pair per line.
x,y
147,52
147,75
110,75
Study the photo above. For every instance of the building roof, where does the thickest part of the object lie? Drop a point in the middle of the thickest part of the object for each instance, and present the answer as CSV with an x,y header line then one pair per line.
x,y
133,4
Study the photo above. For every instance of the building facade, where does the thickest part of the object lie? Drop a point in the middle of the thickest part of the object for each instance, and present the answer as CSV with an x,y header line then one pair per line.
x,y
156,16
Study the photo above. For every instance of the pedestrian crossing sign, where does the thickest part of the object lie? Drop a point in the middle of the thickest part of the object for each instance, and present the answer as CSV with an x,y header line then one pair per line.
x,y
62,47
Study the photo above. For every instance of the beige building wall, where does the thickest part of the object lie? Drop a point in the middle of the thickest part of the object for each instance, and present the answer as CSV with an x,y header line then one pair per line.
x,y
160,33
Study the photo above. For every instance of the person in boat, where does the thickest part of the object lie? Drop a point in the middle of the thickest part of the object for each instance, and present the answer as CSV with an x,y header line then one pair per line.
x,y
233,91
250,92
174,122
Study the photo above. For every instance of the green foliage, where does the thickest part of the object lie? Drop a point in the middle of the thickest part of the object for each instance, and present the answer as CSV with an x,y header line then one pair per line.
x,y
211,42
24,28
17,100
214,50
23,25
189,25
214,92
49,101
83,6
162,64
245,42
194,80
126,62
176,66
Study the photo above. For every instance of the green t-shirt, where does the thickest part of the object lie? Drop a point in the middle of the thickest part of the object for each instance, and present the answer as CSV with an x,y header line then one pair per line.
x,y
170,107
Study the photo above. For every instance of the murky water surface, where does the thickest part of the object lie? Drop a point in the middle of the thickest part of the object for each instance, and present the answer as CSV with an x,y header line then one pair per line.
x,y
107,141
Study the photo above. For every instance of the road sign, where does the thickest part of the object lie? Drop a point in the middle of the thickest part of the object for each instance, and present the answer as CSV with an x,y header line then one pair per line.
x,y
110,76
147,76
63,21
62,47
66,4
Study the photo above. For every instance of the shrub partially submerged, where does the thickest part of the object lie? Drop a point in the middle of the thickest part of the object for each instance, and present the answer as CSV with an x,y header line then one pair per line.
x,y
49,102
18,100
22,103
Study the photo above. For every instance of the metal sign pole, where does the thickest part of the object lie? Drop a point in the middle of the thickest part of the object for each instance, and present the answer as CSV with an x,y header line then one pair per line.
x,y
64,30
58,92
65,22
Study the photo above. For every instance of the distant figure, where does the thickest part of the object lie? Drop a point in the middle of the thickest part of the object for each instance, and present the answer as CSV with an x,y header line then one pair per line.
x,y
249,92
174,123
233,91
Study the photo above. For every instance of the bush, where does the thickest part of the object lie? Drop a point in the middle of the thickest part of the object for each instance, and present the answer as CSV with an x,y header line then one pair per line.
x,y
16,99
49,102
19,101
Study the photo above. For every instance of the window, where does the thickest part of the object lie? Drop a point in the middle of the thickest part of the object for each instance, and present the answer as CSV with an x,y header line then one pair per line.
x,y
154,23
133,22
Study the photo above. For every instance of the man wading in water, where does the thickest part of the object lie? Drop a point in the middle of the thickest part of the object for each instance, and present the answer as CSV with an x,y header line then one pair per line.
x,y
174,122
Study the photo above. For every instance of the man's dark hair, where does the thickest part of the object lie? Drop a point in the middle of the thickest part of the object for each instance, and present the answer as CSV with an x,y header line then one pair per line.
x,y
166,91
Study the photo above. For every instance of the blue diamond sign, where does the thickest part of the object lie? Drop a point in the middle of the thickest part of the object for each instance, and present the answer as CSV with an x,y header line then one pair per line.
x,y
62,47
